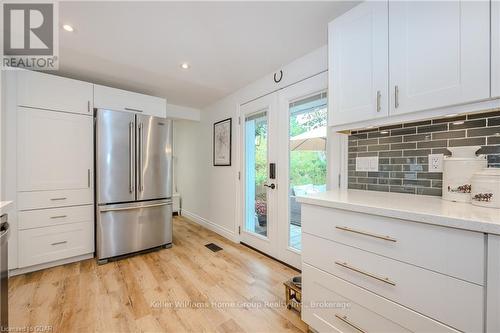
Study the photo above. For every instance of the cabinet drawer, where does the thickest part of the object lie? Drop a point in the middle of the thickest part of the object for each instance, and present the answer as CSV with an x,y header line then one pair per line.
x,y
327,300
51,92
454,252
50,199
55,216
42,245
122,100
424,291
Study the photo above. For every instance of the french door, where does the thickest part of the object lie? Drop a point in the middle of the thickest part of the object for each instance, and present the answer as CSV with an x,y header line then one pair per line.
x,y
284,148
260,192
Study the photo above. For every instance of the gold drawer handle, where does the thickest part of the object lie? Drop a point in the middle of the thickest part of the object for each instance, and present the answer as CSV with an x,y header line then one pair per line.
x,y
57,199
59,217
350,323
357,270
386,238
59,243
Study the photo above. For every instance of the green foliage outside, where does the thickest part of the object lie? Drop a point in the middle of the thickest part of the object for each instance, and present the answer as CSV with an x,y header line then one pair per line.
x,y
306,167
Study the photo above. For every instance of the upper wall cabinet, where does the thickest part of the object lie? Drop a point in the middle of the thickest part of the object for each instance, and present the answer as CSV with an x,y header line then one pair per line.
x,y
495,49
122,100
44,91
358,62
439,53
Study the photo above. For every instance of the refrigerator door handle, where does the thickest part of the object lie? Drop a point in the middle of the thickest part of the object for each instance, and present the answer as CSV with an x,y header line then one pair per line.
x,y
135,207
141,160
130,154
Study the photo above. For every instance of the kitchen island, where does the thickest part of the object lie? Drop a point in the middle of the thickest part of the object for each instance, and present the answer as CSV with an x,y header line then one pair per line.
x,y
401,262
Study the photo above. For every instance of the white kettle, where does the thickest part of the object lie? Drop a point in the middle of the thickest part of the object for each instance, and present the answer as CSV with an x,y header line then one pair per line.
x,y
458,170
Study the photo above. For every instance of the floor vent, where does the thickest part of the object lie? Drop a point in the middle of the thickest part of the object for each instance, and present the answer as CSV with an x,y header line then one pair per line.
x,y
214,247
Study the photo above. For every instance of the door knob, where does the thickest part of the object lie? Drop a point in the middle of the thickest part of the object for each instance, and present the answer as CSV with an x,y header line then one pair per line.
x,y
272,186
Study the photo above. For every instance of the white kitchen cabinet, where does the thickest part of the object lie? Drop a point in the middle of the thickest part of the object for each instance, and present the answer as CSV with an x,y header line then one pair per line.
x,y
358,63
422,290
50,92
493,282
122,100
55,150
350,304
43,245
439,54
495,48
397,270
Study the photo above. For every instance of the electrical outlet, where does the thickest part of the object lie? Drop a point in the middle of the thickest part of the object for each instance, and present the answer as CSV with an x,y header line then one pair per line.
x,y
436,162
367,163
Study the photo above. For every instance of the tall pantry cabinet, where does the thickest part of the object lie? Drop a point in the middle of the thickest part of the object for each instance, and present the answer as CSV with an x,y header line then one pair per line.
x,y
49,163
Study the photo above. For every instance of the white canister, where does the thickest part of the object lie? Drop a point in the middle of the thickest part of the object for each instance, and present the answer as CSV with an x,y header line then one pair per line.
x,y
486,188
458,170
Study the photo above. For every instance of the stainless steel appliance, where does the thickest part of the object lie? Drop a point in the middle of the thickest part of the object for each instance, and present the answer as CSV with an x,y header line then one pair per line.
x,y
133,183
4,273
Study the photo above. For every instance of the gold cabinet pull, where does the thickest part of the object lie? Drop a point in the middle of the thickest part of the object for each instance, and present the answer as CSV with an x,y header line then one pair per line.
x,y
350,323
373,276
386,238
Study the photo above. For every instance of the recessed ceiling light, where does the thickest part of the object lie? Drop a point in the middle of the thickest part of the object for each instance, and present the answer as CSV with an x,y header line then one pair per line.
x,y
458,123
384,132
185,65
67,27
451,115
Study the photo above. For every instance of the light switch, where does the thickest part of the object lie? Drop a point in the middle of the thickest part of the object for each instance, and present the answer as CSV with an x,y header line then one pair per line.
x,y
373,163
367,163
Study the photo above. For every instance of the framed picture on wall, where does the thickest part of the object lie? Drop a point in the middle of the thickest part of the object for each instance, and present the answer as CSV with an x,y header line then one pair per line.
x,y
222,142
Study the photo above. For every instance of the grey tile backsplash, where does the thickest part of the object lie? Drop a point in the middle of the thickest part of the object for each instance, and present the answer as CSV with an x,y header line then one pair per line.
x,y
403,151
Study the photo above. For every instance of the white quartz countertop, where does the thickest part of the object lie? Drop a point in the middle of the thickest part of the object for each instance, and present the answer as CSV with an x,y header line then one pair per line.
x,y
419,208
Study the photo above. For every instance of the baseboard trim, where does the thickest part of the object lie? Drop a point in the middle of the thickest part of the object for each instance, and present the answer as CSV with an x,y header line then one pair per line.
x,y
33,268
226,233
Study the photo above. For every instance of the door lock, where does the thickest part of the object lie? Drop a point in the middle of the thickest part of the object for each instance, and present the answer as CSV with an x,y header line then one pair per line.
x,y
272,186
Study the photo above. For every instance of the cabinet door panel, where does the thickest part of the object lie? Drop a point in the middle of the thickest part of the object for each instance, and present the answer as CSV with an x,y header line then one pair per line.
x,y
495,49
54,150
358,62
439,54
122,100
44,91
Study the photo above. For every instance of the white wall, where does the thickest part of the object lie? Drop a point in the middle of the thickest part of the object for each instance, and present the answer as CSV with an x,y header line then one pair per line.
x,y
182,112
210,195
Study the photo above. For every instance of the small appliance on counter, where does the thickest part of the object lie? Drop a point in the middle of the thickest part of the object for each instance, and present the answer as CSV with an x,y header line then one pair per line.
x,y
458,170
486,188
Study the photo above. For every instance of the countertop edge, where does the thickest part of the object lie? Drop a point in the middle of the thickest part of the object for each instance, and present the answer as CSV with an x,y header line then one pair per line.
x,y
432,219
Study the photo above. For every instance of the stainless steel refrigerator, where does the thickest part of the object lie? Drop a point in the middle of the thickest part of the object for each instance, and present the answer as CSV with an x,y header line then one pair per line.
x,y
133,183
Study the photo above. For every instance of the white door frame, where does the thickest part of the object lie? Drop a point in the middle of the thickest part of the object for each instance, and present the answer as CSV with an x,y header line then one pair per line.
x,y
336,172
269,244
304,89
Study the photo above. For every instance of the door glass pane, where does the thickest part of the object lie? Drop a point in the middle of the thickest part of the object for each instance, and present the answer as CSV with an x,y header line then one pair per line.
x,y
308,128
256,134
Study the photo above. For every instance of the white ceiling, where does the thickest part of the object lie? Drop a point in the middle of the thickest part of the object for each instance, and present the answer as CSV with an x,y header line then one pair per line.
x,y
139,45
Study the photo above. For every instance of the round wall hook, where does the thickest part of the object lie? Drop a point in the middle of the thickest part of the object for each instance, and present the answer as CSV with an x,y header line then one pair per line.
x,y
281,76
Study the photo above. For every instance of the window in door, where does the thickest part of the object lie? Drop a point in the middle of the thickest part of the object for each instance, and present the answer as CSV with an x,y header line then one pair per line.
x,y
307,156
256,156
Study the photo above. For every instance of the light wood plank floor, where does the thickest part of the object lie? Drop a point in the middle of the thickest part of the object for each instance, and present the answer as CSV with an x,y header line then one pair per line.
x,y
186,288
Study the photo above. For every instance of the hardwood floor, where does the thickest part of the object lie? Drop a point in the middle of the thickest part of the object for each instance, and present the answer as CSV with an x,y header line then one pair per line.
x,y
187,288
